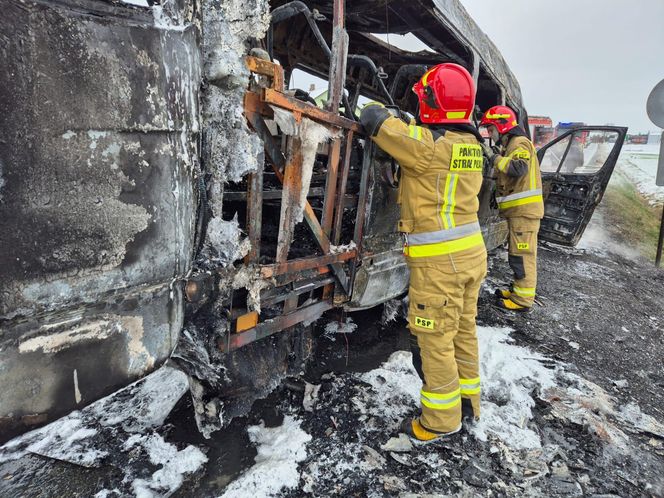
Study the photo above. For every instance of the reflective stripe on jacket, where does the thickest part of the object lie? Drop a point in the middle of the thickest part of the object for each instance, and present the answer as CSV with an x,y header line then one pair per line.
x,y
519,181
441,176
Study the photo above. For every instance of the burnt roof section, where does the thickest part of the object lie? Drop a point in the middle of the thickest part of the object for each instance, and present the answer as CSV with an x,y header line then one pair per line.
x,y
443,25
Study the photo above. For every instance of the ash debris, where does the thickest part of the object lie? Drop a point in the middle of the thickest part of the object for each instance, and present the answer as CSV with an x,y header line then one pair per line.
x,y
582,445
230,150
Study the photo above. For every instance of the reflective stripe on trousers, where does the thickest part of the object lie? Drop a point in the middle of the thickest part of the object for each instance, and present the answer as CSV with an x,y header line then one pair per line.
x,y
437,401
519,199
524,291
443,247
470,386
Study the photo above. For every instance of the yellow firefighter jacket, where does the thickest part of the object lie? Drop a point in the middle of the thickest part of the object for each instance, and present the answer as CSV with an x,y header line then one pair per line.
x,y
519,182
441,176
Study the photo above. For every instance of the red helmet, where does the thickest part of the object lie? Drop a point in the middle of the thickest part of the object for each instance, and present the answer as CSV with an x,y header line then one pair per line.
x,y
502,117
447,94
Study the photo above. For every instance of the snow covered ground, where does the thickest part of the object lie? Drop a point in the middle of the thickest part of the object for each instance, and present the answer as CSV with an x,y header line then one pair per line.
x,y
514,379
120,430
349,429
639,164
544,430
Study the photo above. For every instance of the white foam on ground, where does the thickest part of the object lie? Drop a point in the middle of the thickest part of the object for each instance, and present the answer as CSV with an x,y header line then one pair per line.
x,y
280,449
396,388
337,327
65,439
97,432
510,375
149,404
174,465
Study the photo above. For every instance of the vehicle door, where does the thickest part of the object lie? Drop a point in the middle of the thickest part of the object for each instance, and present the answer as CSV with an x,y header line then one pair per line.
x,y
576,167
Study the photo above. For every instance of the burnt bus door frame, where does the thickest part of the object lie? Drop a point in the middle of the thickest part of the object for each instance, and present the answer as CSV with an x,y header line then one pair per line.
x,y
571,198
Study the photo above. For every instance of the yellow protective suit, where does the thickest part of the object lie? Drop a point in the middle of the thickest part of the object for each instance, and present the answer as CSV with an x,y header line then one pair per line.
x,y
441,176
519,197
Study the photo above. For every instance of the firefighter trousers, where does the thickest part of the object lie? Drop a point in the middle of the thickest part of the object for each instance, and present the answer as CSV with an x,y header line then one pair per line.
x,y
522,255
441,318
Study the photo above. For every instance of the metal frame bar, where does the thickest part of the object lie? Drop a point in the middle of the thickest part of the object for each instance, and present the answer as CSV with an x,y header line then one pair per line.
x,y
291,179
329,201
301,264
287,102
341,193
273,296
278,163
255,215
277,324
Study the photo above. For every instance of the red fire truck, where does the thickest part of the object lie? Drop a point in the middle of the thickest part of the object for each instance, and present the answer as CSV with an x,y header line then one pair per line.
x,y
541,129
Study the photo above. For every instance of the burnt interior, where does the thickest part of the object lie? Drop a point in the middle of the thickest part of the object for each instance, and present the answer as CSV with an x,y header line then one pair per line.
x,y
373,65
301,37
304,244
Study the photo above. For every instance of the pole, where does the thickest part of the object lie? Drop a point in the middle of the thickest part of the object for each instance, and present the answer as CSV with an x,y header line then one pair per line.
x,y
659,181
658,258
338,58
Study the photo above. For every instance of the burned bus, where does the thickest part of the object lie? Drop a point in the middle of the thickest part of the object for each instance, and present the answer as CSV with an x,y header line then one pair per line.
x,y
168,191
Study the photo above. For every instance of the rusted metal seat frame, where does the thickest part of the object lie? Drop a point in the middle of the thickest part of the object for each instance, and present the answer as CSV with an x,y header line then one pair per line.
x,y
340,264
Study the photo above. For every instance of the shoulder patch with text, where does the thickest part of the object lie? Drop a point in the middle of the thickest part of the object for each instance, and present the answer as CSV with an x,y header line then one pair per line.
x,y
466,157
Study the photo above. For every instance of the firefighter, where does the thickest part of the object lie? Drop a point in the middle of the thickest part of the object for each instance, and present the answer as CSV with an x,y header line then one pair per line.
x,y
519,198
441,175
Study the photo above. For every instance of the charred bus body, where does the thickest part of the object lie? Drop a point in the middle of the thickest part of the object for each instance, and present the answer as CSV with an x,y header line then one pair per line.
x,y
166,190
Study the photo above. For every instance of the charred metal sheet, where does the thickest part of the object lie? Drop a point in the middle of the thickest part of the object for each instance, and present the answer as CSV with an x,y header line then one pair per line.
x,y
381,277
56,363
99,154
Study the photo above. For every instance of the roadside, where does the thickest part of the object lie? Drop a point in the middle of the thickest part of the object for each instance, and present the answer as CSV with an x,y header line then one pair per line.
x,y
630,218
632,204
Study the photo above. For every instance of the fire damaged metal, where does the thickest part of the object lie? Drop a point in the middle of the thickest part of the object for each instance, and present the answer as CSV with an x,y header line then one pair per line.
x,y
167,191
99,151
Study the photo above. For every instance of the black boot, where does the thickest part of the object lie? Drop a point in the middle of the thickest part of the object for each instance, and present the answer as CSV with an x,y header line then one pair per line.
x,y
467,412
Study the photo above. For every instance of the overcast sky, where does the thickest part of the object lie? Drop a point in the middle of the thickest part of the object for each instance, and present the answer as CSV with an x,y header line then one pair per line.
x,y
580,60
